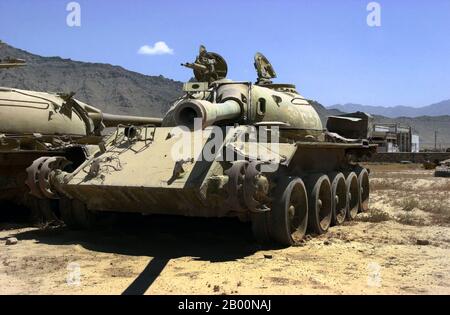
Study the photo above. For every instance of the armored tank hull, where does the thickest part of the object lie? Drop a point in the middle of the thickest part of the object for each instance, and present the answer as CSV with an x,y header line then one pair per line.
x,y
226,149
313,180
37,124
39,130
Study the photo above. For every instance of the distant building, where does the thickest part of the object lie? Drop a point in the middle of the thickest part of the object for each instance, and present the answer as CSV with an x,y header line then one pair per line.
x,y
392,137
389,137
415,143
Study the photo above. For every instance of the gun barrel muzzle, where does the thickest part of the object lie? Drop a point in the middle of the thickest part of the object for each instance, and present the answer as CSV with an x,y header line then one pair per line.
x,y
205,112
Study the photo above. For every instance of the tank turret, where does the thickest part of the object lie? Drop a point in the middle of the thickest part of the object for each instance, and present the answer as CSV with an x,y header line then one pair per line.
x,y
29,112
215,100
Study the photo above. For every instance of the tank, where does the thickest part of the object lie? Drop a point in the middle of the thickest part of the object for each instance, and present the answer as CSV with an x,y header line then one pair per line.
x,y
37,125
255,151
443,169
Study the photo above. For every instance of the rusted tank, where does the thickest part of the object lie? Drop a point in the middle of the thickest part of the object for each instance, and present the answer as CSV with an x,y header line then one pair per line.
x,y
256,151
443,169
37,124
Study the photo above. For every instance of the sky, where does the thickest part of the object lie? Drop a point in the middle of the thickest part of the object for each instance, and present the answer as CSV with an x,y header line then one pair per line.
x,y
325,47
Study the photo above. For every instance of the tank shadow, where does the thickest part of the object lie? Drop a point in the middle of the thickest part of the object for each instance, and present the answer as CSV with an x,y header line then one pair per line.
x,y
159,237
12,213
146,277
162,237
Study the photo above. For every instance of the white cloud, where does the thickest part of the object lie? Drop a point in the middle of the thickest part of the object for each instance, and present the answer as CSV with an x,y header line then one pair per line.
x,y
159,48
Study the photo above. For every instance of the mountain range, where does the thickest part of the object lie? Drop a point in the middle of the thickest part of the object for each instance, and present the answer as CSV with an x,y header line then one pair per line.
x,y
116,90
437,109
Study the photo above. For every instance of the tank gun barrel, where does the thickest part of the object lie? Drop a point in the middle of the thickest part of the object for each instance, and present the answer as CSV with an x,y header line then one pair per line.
x,y
12,63
110,120
209,113
7,65
195,66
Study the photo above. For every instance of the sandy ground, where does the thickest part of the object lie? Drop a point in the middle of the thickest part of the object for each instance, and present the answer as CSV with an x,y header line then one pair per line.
x,y
376,254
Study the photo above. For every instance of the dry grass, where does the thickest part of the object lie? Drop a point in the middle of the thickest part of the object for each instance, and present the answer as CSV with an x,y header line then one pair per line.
x,y
409,204
389,167
445,187
411,194
436,204
404,184
374,215
439,206
410,219
382,186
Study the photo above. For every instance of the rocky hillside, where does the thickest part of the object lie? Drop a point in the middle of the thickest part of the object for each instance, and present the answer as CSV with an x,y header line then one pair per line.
x,y
111,88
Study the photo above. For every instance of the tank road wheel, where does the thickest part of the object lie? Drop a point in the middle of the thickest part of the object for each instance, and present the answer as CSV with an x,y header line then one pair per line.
x,y
75,214
339,199
353,195
364,189
320,204
256,191
289,214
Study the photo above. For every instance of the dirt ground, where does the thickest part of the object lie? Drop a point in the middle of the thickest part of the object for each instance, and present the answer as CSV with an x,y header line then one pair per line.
x,y
401,246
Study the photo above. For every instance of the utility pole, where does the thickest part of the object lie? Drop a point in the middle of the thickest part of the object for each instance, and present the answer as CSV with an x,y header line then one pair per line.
x,y
435,140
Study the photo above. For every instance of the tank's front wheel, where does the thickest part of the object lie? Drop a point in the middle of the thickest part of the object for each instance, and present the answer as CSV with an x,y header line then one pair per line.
x,y
289,214
287,220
